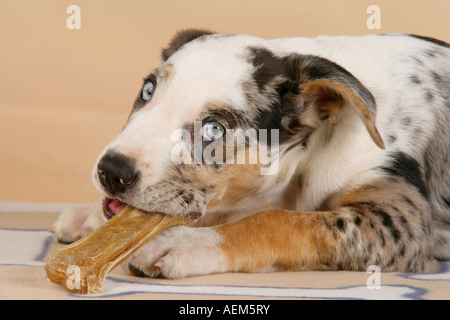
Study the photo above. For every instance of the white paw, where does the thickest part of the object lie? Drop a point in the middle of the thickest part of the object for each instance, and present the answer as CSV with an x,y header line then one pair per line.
x,y
179,252
77,222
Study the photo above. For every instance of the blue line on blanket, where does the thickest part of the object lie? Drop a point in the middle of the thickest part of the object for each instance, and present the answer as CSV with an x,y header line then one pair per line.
x,y
24,246
41,256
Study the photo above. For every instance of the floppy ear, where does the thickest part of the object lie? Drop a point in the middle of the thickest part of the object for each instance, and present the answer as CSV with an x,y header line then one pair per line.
x,y
180,39
320,90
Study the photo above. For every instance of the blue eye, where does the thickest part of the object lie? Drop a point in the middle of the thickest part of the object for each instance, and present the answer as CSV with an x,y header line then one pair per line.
x,y
212,131
147,91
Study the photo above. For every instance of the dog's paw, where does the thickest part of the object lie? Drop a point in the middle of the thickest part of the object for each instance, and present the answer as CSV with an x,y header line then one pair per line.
x,y
179,252
77,222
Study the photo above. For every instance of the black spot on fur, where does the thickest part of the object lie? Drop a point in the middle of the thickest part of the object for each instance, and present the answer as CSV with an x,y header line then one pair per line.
x,y
418,61
391,139
180,39
381,237
386,219
271,119
185,195
267,66
180,193
402,250
206,189
429,97
341,224
415,80
446,201
404,166
436,77
387,222
305,139
431,53
405,121
363,204
389,263
405,225
409,202
188,198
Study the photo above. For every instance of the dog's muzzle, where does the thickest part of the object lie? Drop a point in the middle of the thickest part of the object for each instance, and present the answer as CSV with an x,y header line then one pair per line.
x,y
121,183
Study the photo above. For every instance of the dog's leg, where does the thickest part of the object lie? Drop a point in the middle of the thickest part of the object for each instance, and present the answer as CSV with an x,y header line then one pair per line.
x,y
385,223
77,222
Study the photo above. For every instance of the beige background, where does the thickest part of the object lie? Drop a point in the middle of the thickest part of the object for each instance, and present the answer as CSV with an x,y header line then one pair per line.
x,y
65,93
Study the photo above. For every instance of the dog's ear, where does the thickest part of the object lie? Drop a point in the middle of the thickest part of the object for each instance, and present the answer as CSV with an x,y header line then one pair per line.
x,y
317,89
180,39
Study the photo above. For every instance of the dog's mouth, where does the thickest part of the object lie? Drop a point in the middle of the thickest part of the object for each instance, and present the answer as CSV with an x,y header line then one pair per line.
x,y
111,207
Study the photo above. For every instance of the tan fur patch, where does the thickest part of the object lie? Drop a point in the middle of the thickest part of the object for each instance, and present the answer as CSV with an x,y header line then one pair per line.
x,y
286,240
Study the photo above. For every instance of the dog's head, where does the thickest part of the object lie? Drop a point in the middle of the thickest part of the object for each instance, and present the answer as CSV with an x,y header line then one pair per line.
x,y
219,111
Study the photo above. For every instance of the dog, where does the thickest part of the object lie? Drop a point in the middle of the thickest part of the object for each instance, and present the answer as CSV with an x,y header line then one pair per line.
x,y
362,153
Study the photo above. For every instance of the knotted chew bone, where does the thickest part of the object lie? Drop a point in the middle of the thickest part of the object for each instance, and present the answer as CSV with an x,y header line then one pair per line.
x,y
83,265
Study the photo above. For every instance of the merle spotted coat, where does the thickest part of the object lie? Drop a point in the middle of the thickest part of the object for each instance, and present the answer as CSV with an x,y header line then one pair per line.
x,y
363,175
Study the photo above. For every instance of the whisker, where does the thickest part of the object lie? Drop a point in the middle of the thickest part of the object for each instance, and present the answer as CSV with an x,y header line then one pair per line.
x,y
83,177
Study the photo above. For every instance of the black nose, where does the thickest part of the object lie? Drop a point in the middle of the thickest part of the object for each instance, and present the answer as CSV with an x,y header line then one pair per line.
x,y
116,172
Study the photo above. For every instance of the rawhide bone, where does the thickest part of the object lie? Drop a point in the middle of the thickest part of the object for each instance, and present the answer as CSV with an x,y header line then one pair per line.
x,y
83,265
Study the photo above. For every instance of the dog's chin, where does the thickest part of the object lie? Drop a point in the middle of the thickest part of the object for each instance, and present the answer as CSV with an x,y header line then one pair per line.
x,y
112,206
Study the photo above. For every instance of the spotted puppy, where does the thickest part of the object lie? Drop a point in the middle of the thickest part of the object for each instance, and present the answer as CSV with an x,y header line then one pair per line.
x,y
359,130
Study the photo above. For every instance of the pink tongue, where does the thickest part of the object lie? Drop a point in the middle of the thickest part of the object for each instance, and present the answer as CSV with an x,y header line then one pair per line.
x,y
116,206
